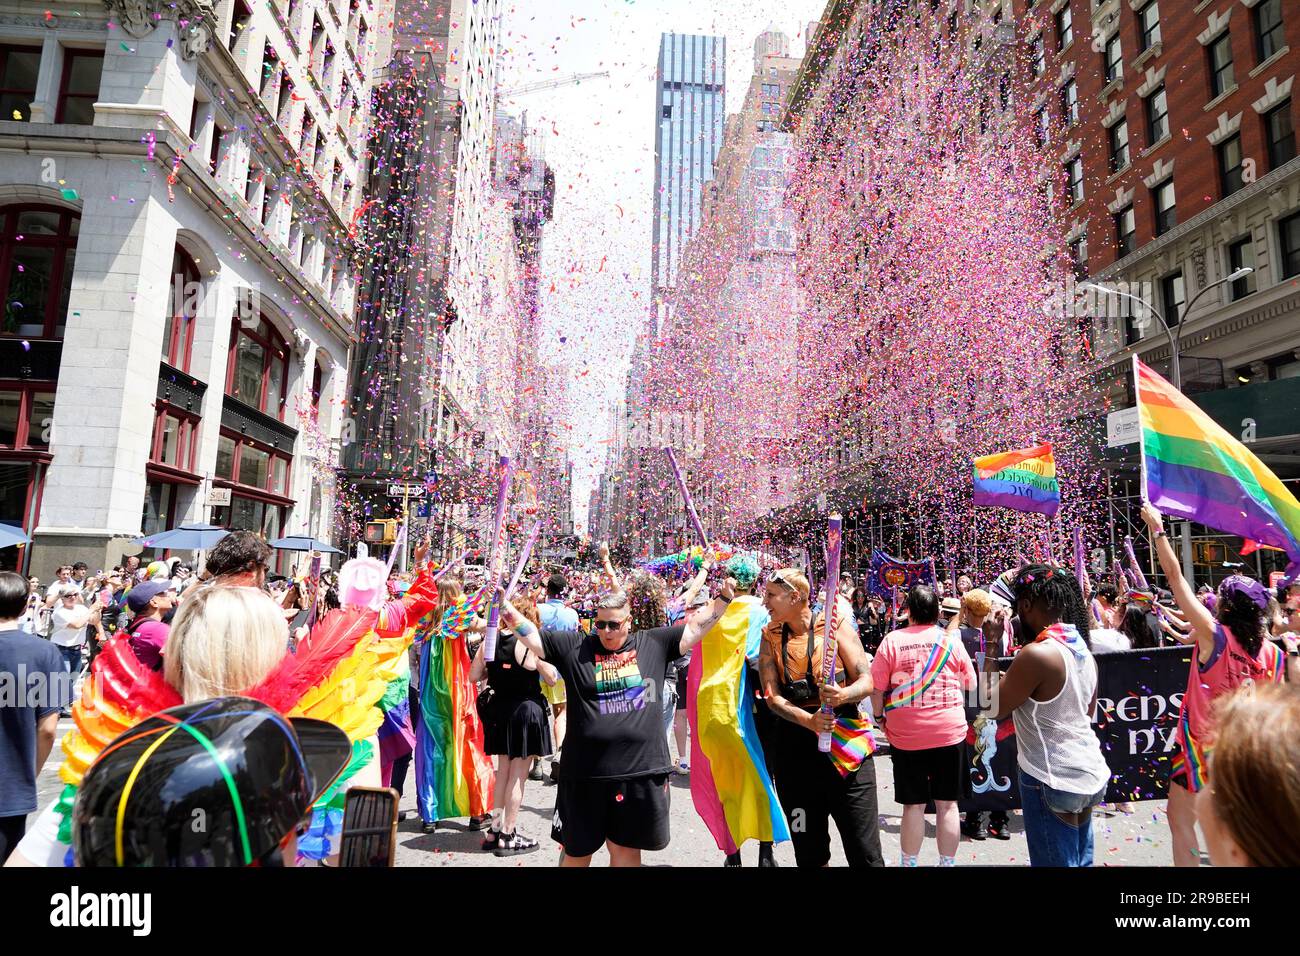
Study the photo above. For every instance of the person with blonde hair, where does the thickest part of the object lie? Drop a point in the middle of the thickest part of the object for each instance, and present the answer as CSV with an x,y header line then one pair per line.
x,y
1249,809
223,640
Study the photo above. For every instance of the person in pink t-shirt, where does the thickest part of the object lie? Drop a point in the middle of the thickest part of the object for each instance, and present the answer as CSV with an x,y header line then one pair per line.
x,y
921,675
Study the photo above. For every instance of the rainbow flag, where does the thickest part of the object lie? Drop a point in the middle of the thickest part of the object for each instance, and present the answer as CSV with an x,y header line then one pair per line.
x,y
1024,480
730,785
1194,469
453,775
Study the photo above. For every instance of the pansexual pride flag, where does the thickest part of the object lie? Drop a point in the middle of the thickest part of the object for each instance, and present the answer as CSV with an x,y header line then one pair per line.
x,y
730,785
1024,480
1192,468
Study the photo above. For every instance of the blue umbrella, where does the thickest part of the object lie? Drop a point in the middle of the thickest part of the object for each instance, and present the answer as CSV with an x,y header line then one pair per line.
x,y
298,542
10,536
188,537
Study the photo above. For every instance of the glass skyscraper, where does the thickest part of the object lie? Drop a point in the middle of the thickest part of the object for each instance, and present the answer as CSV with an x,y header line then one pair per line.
x,y
690,113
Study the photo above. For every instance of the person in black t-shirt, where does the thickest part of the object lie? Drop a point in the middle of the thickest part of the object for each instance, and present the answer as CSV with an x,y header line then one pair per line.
x,y
613,788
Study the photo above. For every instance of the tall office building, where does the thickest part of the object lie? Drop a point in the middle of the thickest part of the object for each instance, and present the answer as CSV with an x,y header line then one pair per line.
x,y
691,110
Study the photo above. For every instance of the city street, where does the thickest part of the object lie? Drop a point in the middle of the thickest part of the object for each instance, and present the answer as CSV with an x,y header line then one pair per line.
x,y
1137,840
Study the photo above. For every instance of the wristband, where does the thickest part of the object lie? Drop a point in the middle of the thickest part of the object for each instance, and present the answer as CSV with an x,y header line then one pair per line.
x,y
1161,534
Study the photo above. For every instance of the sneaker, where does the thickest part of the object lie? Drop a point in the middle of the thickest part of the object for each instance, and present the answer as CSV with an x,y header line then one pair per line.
x,y
536,772
514,844
977,832
428,826
999,831
480,823
682,767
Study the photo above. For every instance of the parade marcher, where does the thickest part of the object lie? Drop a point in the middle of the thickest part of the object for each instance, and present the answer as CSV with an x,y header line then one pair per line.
x,y
147,632
29,714
976,606
1249,810
1050,692
1231,649
613,788
731,788
922,675
820,787
515,730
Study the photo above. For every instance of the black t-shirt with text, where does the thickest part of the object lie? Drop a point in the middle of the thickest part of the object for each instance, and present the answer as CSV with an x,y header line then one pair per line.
x,y
615,704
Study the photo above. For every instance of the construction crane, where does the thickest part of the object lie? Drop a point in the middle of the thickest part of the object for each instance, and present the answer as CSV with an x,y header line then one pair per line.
x,y
550,84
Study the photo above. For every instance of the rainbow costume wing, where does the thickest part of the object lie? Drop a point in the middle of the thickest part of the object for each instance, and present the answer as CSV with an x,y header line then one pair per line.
x,y
730,786
453,773
119,693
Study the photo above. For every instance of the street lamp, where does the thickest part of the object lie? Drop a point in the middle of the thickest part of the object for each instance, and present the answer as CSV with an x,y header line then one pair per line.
x,y
1175,333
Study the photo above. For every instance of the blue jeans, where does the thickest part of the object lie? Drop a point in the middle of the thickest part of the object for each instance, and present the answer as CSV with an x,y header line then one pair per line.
x,y
71,658
670,705
1052,841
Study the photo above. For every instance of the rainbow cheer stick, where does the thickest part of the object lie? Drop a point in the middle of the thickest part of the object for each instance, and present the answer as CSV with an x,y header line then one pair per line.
x,y
834,541
523,558
686,496
498,557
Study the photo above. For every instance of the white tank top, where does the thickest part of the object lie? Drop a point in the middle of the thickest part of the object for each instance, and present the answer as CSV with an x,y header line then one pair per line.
x,y
1055,742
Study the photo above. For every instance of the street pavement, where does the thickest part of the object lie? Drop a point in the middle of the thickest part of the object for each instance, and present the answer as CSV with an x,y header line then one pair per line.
x,y
1139,839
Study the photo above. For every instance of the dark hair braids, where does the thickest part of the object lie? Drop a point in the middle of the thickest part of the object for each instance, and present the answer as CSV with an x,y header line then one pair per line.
x,y
1057,591
1239,614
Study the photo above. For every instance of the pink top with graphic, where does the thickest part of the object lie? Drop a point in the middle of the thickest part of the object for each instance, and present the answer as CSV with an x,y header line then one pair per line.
x,y
1228,668
936,715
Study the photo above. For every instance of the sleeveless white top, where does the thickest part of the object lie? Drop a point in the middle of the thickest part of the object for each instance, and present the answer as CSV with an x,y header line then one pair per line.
x,y
1055,742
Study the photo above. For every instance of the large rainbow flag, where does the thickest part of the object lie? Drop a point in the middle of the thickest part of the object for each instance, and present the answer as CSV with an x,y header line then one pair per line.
x,y
452,773
1192,468
1024,479
730,785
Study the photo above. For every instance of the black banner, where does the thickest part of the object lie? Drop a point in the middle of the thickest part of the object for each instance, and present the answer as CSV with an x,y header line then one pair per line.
x,y
1138,697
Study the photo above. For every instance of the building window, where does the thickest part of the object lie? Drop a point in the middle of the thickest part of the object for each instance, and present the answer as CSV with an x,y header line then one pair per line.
x,y
18,68
1269,35
26,416
1074,179
1040,55
1125,231
1230,165
1043,131
1149,26
175,438
80,87
1119,156
240,16
1241,254
1157,116
258,369
1166,209
1079,256
270,70
1222,77
1064,27
178,332
36,270
1279,132
1114,58
1289,239
1070,103
1173,294
243,461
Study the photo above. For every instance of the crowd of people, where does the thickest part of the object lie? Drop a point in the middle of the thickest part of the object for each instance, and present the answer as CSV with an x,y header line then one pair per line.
x,y
592,688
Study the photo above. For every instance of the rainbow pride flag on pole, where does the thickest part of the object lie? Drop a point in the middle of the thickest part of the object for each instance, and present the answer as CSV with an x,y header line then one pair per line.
x,y
1024,480
730,785
1194,469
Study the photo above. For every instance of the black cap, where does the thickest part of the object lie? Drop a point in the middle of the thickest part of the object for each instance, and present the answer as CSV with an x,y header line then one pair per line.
x,y
220,782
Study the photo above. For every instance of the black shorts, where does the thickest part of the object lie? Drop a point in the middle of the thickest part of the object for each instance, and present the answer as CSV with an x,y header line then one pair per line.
x,y
632,813
938,773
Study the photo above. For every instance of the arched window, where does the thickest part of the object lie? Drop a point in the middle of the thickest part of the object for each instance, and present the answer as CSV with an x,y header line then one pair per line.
x,y
38,246
178,334
257,372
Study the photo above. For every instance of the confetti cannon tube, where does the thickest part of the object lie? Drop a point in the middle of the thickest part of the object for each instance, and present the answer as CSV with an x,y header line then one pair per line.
x,y
449,565
1080,571
523,558
686,496
834,541
498,557
1136,568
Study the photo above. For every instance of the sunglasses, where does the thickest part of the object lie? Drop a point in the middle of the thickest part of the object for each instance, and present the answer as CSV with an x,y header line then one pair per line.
x,y
609,625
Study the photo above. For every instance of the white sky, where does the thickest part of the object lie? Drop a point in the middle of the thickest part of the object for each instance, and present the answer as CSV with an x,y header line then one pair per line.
x,y
599,138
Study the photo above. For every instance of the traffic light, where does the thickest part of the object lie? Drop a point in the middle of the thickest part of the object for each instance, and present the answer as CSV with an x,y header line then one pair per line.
x,y
381,531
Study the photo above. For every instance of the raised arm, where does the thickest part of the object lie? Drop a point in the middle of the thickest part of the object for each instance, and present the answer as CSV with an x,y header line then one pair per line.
x,y
1197,614
524,629
614,581
697,628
